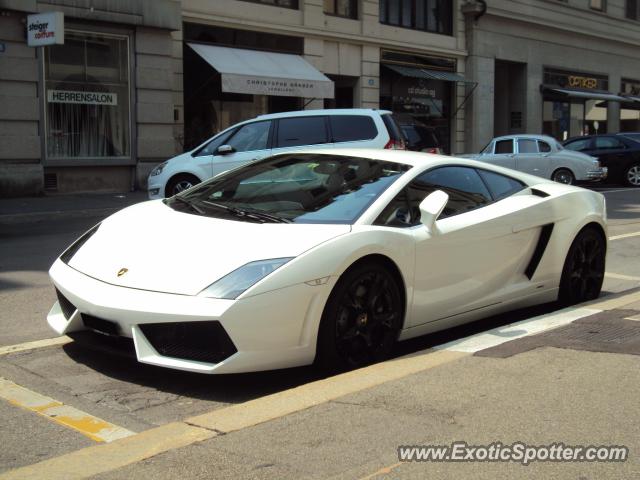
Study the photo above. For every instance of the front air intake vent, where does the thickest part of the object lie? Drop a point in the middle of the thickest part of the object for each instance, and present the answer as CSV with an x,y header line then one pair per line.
x,y
200,341
65,305
101,325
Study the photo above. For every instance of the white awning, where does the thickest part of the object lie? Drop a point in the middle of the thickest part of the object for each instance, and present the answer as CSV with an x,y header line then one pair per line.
x,y
265,73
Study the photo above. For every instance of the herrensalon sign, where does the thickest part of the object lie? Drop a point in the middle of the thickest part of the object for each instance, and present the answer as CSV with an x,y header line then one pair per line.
x,y
84,98
45,29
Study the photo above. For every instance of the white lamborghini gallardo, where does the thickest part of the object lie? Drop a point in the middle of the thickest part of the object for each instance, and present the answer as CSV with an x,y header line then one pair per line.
x,y
327,256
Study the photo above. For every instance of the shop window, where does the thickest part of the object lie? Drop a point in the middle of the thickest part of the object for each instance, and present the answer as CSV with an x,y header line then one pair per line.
x,y
87,97
633,9
341,8
427,15
597,5
277,3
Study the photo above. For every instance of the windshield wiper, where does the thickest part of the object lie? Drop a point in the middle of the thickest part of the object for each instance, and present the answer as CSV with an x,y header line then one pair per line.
x,y
186,202
252,214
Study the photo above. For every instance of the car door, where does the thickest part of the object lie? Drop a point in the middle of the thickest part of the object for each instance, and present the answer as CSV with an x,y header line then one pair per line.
x,y
295,133
248,143
479,249
503,154
530,160
612,153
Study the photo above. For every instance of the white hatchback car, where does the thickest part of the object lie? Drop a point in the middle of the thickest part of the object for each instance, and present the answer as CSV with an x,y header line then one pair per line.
x,y
542,156
271,134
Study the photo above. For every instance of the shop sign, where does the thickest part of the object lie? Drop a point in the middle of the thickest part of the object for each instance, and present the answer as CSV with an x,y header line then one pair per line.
x,y
84,98
45,29
236,83
564,79
630,87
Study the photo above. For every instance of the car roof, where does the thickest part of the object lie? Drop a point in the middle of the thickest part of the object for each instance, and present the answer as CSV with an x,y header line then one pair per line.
x,y
534,136
332,111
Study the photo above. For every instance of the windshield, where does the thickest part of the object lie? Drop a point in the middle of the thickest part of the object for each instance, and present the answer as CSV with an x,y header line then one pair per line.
x,y
302,188
488,148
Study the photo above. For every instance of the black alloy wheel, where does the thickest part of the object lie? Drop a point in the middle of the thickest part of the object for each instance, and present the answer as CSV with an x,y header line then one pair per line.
x,y
584,267
361,320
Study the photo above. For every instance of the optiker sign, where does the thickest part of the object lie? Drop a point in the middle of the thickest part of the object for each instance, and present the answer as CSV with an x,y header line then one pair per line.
x,y
45,29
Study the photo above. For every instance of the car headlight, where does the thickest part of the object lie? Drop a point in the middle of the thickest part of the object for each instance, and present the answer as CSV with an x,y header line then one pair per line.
x,y
158,169
232,285
68,254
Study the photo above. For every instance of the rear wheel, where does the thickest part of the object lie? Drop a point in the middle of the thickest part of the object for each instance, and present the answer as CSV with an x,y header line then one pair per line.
x,y
361,320
180,183
583,271
563,175
632,175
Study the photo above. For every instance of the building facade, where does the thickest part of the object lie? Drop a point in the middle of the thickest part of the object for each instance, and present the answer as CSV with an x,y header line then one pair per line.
x,y
405,56
559,67
94,113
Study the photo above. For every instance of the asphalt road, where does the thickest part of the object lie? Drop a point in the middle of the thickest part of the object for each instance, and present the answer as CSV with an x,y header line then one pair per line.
x,y
138,397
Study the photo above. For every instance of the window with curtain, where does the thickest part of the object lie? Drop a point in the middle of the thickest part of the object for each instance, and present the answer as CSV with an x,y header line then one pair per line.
x,y
87,97
434,16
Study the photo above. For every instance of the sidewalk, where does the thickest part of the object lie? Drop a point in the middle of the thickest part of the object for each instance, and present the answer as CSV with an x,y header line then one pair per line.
x,y
577,384
51,207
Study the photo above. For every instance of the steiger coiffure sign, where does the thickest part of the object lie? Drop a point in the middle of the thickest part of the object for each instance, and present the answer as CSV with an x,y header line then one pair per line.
x,y
45,29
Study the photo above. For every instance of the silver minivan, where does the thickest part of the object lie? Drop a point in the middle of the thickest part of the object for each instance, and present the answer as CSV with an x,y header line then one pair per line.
x,y
271,134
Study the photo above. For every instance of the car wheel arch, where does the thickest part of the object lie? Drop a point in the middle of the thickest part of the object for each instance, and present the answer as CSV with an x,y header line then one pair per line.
x,y
178,175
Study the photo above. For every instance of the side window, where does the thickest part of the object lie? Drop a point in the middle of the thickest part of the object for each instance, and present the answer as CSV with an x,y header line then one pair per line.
x,y
544,147
211,147
499,185
463,185
293,132
350,128
579,145
527,145
607,143
504,146
252,136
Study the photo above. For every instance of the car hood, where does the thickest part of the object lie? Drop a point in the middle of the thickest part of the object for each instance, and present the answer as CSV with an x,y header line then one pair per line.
x,y
168,251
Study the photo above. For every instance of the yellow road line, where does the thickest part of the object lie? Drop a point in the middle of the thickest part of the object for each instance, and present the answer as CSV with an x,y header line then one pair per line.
x,y
300,398
90,426
47,342
625,235
97,459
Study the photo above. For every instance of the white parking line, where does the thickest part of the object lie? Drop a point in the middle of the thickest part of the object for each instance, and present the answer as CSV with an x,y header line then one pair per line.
x,y
47,342
622,277
90,426
615,191
624,235
497,336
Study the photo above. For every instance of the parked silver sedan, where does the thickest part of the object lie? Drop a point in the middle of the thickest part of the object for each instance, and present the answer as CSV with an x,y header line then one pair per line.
x,y
542,156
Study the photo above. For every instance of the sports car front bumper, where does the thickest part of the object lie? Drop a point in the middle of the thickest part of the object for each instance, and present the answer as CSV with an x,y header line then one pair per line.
x,y
273,330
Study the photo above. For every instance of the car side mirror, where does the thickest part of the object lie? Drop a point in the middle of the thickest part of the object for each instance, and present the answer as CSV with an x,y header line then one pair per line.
x,y
431,208
225,150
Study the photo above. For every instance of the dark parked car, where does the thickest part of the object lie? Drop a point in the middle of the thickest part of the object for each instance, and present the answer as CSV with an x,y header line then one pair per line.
x,y
421,138
620,154
632,135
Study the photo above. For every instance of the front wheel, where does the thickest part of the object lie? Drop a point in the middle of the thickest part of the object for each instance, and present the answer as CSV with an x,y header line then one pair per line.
x,y
563,175
179,183
583,271
632,175
361,320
